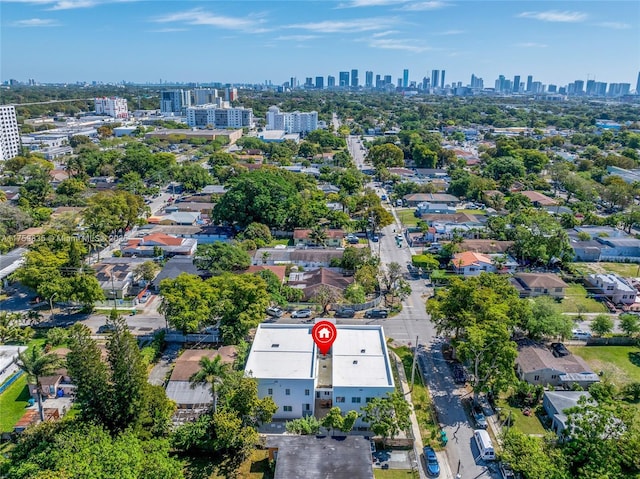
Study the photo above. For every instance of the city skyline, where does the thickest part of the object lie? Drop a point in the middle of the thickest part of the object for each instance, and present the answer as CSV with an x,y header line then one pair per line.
x,y
256,42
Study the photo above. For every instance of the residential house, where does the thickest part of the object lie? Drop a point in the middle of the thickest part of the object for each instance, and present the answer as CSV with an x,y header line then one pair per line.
x,y
613,287
434,208
173,268
304,238
307,258
302,382
486,246
279,271
202,234
179,387
11,193
319,457
589,250
187,218
310,281
555,404
116,275
402,172
431,173
537,365
213,190
620,249
538,199
470,263
530,285
170,245
203,207
414,199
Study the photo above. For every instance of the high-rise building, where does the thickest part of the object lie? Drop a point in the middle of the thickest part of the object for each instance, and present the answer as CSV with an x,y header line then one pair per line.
x,y
319,83
499,85
516,83
9,133
435,75
114,107
400,85
426,83
619,89
638,85
174,101
294,122
354,79
204,96
442,79
230,94
601,88
387,80
292,82
537,87
405,78
379,81
344,79
308,83
212,115
552,88
529,82
331,81
368,79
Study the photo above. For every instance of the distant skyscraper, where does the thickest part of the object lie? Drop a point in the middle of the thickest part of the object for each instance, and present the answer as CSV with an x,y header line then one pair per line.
x,y
292,82
204,96
578,87
399,84
9,133
516,84
331,81
368,79
319,83
387,80
378,81
442,79
529,82
405,78
426,83
638,85
354,78
344,79
114,107
552,88
435,75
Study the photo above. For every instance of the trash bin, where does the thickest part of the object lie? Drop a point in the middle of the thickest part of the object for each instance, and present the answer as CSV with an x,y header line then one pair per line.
x,y
31,402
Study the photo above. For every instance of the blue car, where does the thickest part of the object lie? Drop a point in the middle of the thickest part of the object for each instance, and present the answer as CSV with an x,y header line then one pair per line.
x,y
433,468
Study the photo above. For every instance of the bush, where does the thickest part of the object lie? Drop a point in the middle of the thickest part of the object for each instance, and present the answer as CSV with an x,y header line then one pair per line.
x,y
57,336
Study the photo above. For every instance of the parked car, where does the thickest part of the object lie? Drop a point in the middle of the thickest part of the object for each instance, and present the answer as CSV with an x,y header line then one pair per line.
x,y
433,467
301,313
375,238
345,313
459,376
506,471
106,328
480,419
275,312
580,334
376,313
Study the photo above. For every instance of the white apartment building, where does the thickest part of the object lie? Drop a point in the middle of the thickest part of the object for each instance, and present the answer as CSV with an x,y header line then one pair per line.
x,y
9,133
289,368
114,107
215,116
294,122
204,96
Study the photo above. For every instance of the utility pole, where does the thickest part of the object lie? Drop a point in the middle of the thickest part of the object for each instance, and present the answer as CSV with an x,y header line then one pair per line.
x,y
413,366
113,291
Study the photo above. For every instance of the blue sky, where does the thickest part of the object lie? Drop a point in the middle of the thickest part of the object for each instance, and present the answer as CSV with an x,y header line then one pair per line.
x,y
255,41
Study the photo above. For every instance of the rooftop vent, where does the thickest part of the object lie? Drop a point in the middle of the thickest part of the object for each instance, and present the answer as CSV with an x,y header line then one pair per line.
x,y
355,362
362,351
275,345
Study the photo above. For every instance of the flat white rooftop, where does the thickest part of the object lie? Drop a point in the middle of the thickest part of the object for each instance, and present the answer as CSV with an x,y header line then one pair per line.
x,y
287,351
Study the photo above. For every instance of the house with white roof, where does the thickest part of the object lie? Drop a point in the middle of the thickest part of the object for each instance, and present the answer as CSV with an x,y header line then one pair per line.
x,y
302,382
614,288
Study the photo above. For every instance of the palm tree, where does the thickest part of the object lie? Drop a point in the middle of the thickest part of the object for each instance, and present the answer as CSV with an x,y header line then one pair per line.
x,y
212,371
36,364
265,257
318,235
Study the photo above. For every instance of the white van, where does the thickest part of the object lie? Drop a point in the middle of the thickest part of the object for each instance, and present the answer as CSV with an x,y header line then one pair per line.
x,y
485,446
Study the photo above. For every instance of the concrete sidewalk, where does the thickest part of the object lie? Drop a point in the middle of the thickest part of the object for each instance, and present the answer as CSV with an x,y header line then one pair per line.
x,y
445,470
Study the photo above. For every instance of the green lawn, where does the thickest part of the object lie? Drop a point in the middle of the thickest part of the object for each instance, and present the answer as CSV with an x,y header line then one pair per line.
x,y
620,363
256,467
13,403
393,474
525,424
626,270
576,297
420,399
406,217
283,242
472,212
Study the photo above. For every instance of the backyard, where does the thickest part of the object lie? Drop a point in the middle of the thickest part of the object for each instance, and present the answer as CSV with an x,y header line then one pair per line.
x,y
393,474
626,270
620,363
256,467
525,424
13,402
406,217
576,301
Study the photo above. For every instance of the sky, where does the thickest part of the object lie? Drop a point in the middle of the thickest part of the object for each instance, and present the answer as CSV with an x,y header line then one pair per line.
x,y
264,40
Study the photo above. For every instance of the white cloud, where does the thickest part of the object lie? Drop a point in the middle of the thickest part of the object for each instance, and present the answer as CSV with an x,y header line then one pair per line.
x,y
198,16
450,32
555,16
297,38
396,44
68,4
346,26
423,6
383,34
36,22
531,45
614,25
369,3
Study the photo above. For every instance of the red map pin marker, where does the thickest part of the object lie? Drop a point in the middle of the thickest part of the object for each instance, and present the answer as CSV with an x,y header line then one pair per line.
x,y
324,334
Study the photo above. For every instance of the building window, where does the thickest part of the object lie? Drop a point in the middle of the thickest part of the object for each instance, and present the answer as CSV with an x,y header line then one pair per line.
x,y
340,399
536,378
287,392
307,407
270,392
553,376
307,392
287,408
558,290
355,400
368,400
